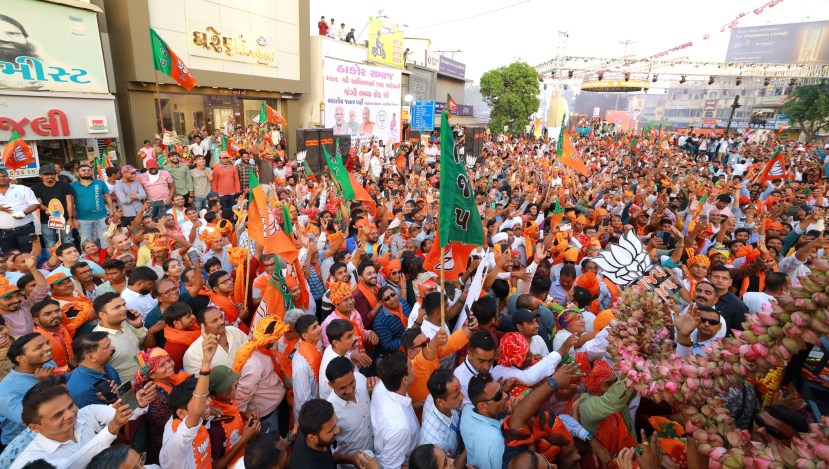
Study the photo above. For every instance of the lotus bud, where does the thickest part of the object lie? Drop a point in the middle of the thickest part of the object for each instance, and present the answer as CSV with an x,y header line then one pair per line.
x,y
821,299
801,319
690,371
704,448
805,464
758,329
717,453
747,353
792,344
821,450
810,337
775,331
760,349
716,441
672,386
732,462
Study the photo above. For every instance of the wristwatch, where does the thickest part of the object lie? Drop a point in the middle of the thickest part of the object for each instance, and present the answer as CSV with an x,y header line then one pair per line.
x,y
553,384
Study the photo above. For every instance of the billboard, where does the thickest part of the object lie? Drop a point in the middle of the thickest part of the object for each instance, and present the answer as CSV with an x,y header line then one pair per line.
x,y
49,47
620,118
362,101
794,43
385,43
423,116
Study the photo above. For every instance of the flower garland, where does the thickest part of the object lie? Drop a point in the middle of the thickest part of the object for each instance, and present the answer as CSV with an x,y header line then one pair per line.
x,y
640,343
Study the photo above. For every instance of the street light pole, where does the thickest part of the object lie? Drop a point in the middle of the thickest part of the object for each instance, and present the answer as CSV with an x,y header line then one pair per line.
x,y
734,107
625,43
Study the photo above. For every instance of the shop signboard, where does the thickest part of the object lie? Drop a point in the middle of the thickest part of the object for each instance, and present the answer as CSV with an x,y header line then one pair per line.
x,y
53,118
423,115
226,43
385,43
452,68
433,60
50,47
362,101
461,110
793,43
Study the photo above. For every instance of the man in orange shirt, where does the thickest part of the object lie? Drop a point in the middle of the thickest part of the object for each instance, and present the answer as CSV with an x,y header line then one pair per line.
x,y
226,181
425,353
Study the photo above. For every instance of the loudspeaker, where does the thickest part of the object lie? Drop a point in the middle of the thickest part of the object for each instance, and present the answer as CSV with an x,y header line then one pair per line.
x,y
474,141
414,137
311,140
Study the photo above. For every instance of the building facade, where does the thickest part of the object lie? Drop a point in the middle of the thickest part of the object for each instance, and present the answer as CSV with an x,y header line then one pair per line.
x,y
241,54
54,90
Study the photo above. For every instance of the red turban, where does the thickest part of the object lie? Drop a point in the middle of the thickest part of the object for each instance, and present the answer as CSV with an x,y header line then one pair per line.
x,y
600,372
514,349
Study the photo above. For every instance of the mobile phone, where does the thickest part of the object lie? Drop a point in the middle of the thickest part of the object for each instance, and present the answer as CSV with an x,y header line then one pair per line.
x,y
565,227
127,395
132,315
492,206
103,386
606,221
194,257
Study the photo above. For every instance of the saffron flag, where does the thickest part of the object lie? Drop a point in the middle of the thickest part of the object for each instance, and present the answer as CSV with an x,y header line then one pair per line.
x,y
17,153
167,62
277,281
451,104
454,257
269,114
775,168
262,226
459,218
570,157
557,215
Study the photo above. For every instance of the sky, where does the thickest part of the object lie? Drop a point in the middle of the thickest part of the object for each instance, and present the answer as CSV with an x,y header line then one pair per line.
x,y
528,29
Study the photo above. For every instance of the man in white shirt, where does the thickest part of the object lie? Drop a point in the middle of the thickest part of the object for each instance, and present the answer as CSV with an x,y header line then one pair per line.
x,y
305,362
526,323
72,444
797,264
17,203
230,339
777,285
395,424
137,294
126,331
352,404
196,148
342,341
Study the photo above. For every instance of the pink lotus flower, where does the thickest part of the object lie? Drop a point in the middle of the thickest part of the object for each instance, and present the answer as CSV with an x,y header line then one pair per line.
x,y
766,319
760,349
671,386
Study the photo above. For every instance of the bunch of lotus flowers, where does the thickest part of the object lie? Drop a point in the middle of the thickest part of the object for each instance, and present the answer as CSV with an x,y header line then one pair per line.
x,y
641,345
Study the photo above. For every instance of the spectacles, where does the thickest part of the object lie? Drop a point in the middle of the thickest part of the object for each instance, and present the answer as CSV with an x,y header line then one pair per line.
x,y
422,344
389,296
713,322
772,431
394,272
142,458
167,292
496,397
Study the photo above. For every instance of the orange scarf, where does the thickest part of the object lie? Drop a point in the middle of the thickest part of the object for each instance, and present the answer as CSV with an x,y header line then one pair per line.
x,y
613,434
285,365
233,429
82,305
61,343
201,447
175,379
312,355
176,336
358,330
399,313
369,293
231,313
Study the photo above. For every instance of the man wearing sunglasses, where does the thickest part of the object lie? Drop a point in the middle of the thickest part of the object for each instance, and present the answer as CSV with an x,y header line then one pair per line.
x,y
697,328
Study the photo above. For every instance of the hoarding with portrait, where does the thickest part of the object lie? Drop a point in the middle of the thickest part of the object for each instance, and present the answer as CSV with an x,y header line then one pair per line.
x,y
362,101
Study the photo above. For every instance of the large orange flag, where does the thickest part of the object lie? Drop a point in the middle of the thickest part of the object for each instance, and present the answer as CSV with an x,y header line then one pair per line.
x,y
262,226
454,259
570,157
360,193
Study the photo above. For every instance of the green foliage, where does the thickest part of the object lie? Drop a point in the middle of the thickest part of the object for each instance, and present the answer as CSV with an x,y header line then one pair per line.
x,y
809,107
512,95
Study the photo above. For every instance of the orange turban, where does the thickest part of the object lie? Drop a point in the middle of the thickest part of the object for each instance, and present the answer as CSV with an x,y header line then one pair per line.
x,y
159,243
749,252
389,267
571,254
589,281
224,226
773,225
291,281
582,220
339,292
209,237
699,259
259,338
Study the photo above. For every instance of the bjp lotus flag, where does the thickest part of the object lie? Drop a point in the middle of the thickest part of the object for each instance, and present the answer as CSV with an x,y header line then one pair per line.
x,y
269,114
774,169
17,153
454,258
167,62
451,104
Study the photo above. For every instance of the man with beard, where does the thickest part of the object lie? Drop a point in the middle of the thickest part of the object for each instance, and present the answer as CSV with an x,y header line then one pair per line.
x,y
730,307
126,331
137,294
158,184
48,323
130,194
94,352
182,179
365,295
15,43
367,127
72,303
340,126
46,191
17,225
352,404
317,433
92,202
32,359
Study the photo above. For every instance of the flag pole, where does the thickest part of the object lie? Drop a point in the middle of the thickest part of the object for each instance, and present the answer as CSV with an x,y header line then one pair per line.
x,y
442,288
247,276
158,103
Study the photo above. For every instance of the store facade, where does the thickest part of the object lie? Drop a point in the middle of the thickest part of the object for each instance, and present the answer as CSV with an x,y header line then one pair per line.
x,y
241,54
53,83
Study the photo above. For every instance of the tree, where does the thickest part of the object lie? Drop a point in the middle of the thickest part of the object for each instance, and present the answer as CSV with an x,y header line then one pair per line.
x,y
512,94
809,106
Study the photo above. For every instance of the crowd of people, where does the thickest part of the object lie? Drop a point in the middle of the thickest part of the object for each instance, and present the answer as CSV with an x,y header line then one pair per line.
x,y
152,328
330,30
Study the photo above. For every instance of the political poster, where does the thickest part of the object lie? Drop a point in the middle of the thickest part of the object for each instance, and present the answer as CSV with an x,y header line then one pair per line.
x,y
56,219
385,43
50,47
29,171
362,101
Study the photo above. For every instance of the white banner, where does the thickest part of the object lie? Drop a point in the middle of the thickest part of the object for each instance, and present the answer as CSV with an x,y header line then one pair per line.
x,y
362,101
